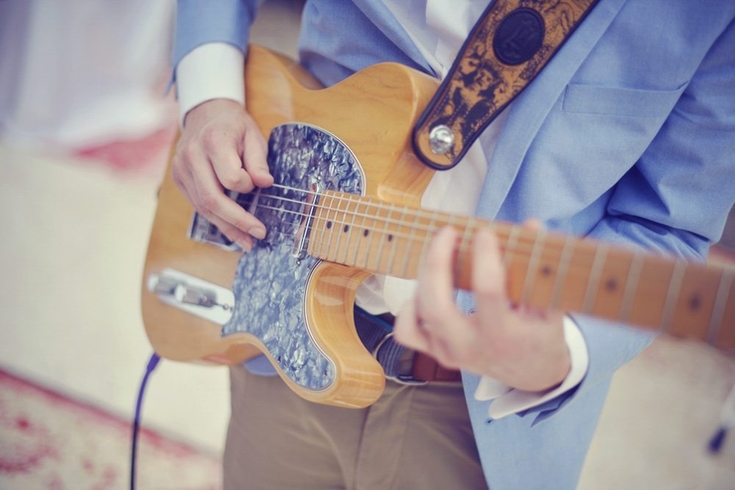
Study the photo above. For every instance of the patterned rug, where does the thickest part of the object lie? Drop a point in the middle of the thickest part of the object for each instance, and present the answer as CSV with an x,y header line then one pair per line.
x,y
49,441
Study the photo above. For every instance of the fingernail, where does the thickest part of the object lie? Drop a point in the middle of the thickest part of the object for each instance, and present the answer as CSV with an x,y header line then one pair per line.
x,y
257,232
244,244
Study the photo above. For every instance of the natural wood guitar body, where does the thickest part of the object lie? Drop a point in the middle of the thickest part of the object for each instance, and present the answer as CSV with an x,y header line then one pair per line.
x,y
374,120
378,228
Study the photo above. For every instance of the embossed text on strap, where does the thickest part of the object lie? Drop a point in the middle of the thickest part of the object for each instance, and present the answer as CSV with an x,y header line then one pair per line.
x,y
507,48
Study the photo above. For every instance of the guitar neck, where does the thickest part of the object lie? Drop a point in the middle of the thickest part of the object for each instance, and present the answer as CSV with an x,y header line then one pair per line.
x,y
545,270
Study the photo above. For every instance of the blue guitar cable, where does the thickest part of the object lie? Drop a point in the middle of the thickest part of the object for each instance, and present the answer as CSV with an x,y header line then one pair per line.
x,y
152,363
727,422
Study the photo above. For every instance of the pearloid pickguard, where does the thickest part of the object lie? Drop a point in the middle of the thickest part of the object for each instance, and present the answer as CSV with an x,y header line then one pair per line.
x,y
270,283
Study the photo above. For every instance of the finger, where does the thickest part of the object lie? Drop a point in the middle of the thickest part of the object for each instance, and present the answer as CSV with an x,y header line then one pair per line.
x,y
185,183
212,202
415,333
254,157
222,151
488,278
533,224
406,329
449,332
435,291
244,240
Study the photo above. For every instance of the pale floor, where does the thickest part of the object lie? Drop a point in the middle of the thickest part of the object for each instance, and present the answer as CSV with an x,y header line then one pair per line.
x,y
72,250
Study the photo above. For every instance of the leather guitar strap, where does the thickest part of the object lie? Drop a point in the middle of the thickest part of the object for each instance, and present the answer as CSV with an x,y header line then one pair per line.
x,y
506,49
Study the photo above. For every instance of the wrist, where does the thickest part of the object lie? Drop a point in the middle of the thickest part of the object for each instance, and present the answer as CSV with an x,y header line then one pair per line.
x,y
206,110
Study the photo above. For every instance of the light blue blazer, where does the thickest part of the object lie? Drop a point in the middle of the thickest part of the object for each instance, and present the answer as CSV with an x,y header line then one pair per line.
x,y
628,135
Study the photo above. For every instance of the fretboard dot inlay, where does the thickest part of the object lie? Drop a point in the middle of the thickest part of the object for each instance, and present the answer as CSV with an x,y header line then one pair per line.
x,y
695,302
546,271
611,285
390,238
346,228
329,224
366,232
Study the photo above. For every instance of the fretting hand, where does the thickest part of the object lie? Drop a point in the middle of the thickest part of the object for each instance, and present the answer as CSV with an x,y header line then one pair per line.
x,y
520,346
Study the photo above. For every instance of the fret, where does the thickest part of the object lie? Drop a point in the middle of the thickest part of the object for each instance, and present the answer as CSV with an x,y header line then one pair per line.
x,y
329,227
511,244
562,271
359,230
348,229
384,240
723,292
631,286
409,243
452,221
696,301
532,270
393,240
429,235
343,230
372,231
610,292
594,279
339,226
323,219
333,227
672,295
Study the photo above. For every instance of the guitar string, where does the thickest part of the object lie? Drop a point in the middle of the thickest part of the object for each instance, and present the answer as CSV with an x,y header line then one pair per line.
x,y
368,204
427,214
576,267
356,214
574,271
521,247
394,233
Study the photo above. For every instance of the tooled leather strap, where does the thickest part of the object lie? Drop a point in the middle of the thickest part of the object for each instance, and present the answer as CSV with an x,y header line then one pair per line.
x,y
507,48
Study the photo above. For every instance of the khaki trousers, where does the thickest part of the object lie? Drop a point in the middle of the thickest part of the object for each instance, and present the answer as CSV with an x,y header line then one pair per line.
x,y
413,437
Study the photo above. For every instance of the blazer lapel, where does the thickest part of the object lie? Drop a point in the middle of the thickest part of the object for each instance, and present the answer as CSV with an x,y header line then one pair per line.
x,y
527,113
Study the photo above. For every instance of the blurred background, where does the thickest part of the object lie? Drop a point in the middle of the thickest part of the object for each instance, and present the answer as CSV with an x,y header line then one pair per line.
x,y
86,127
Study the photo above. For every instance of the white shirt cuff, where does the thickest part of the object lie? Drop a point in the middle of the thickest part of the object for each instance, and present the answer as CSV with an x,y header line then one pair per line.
x,y
507,401
210,71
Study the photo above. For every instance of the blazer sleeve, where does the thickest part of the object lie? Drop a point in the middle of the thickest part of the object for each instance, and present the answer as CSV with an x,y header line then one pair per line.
x,y
675,199
199,22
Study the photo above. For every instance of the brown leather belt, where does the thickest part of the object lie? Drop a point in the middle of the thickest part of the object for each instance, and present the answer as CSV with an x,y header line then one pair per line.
x,y
399,363
426,368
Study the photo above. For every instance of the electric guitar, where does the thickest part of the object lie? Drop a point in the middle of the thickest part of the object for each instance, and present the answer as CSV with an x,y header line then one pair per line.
x,y
345,205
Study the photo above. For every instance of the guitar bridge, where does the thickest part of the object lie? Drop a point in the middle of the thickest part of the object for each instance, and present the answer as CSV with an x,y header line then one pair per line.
x,y
307,211
193,295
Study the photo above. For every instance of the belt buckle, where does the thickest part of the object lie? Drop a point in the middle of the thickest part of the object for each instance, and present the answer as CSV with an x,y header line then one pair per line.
x,y
401,378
